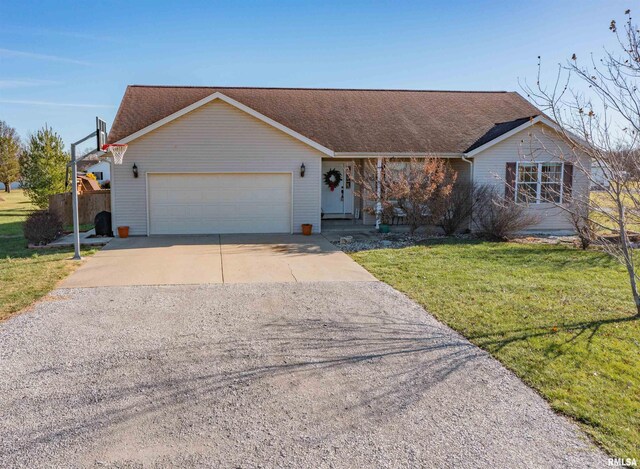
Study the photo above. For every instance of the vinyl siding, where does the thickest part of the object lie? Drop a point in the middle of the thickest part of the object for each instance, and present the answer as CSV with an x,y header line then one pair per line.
x,y
215,138
537,143
463,169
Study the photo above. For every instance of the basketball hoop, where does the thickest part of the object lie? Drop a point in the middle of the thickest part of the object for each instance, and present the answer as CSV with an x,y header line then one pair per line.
x,y
117,150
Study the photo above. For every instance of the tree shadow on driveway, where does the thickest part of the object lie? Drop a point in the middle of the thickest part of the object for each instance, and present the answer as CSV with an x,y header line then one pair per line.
x,y
365,367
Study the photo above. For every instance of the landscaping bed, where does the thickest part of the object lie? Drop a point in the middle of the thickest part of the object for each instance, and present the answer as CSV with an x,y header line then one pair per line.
x,y
362,242
356,242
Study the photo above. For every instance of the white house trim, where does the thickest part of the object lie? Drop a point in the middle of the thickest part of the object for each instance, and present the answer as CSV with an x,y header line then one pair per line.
x,y
358,155
236,104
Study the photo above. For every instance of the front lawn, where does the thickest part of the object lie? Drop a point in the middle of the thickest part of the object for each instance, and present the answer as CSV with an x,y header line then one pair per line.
x,y
14,208
558,317
601,200
26,274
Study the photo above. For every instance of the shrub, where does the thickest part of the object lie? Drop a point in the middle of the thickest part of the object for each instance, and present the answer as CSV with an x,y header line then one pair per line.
x,y
460,208
497,218
106,184
421,189
42,227
417,188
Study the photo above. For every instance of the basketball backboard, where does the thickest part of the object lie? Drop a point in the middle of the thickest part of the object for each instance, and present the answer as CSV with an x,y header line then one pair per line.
x,y
101,133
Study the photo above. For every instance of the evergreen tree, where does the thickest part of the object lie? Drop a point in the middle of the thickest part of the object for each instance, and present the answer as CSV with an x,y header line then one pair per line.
x,y
9,154
43,166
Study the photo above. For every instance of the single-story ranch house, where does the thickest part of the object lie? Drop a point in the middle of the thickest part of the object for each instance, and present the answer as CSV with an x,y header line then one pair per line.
x,y
251,160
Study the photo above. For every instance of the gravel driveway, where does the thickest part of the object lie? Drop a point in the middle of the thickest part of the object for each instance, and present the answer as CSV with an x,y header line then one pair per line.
x,y
249,375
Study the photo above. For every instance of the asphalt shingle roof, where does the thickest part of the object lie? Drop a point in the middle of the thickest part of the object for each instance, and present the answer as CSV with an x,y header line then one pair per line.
x,y
499,129
398,121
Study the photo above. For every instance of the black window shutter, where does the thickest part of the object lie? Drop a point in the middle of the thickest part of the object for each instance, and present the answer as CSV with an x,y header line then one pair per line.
x,y
510,181
567,180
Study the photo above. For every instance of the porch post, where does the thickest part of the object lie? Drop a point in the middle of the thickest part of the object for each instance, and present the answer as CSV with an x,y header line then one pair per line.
x,y
378,193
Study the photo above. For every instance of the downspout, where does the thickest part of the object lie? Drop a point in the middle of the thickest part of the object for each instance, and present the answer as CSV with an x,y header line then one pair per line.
x,y
112,194
471,171
464,158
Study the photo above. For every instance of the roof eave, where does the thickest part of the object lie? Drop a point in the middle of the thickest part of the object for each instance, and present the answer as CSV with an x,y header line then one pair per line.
x,y
391,154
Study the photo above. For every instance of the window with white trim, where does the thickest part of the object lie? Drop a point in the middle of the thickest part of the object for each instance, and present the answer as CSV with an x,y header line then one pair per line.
x,y
539,182
98,174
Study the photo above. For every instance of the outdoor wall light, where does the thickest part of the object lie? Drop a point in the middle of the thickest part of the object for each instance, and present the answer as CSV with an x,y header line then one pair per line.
x,y
302,168
135,171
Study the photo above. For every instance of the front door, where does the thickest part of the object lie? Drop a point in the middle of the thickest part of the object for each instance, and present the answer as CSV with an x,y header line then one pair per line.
x,y
338,201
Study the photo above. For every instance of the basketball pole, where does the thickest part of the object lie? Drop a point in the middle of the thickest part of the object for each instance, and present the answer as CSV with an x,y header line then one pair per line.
x,y
74,193
74,203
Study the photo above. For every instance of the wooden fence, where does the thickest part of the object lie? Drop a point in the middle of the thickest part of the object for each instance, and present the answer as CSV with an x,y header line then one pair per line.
x,y
89,205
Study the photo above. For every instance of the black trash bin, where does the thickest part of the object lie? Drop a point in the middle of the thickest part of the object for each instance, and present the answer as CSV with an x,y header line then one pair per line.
x,y
102,222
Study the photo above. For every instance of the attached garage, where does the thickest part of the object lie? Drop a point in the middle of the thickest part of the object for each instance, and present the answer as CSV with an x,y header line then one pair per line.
x,y
216,169
218,203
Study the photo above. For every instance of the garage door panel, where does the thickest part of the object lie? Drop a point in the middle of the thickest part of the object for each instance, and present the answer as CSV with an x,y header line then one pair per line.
x,y
219,203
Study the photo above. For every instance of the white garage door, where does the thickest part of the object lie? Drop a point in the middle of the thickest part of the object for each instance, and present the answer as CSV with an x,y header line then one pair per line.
x,y
212,203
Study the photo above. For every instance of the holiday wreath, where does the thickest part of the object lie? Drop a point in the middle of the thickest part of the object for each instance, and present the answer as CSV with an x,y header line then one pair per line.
x,y
332,178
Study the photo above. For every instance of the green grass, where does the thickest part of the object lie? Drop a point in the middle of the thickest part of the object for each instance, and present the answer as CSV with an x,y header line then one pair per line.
x,y
605,225
14,207
560,318
26,274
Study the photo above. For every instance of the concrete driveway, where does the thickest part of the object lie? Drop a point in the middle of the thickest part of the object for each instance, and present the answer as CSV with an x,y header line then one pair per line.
x,y
299,375
198,260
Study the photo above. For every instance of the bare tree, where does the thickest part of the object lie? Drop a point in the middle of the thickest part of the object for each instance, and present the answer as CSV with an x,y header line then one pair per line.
x,y
603,124
372,190
418,189
581,219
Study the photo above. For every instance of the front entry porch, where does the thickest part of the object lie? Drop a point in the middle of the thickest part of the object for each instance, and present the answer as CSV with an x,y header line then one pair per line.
x,y
338,195
347,206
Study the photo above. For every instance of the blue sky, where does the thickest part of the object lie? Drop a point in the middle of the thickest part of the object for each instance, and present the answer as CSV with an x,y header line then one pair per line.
x,y
65,62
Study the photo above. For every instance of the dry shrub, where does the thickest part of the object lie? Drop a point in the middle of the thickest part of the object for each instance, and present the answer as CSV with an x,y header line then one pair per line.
x,y
497,218
419,189
42,227
460,208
